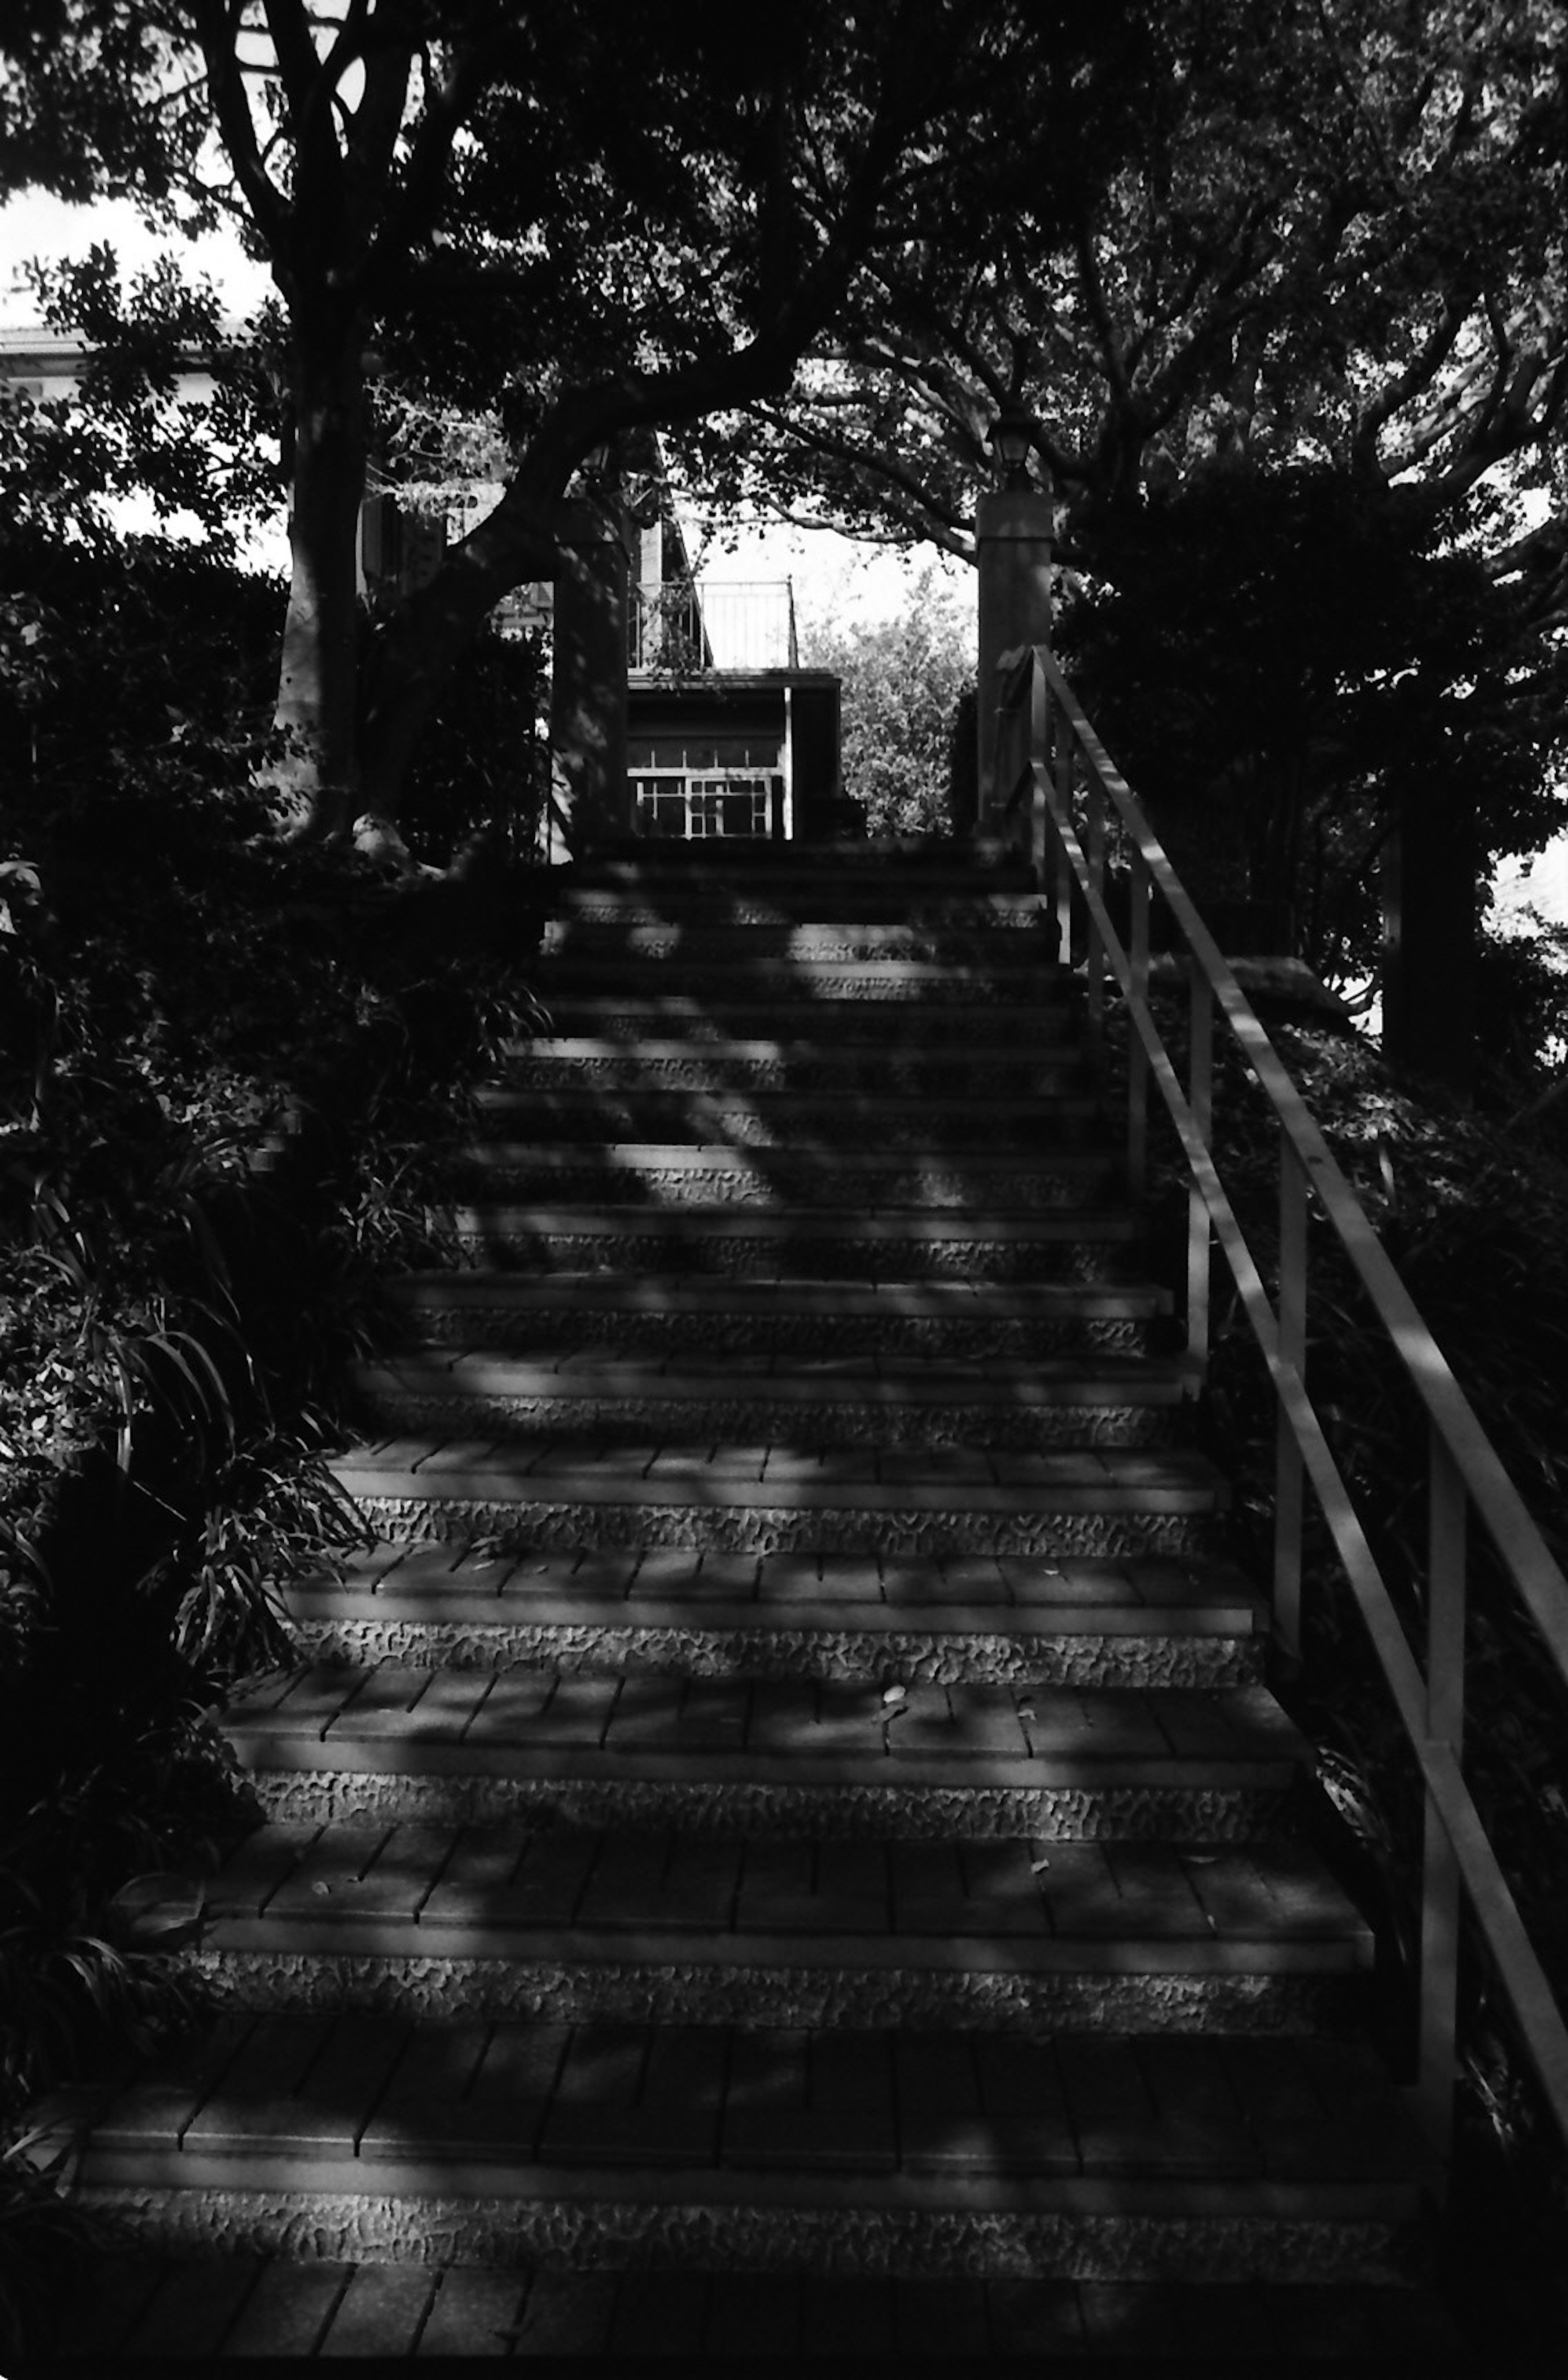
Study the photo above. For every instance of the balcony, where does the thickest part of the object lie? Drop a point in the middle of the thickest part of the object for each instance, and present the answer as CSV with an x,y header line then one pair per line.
x,y
686,628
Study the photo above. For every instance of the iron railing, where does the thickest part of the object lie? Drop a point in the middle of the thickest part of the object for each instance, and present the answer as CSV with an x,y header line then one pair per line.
x,y
1062,800
685,627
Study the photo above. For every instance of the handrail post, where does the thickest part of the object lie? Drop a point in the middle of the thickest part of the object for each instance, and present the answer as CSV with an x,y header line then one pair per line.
x,y
1045,854
1094,852
1446,1551
1201,1099
1138,1057
1290,1477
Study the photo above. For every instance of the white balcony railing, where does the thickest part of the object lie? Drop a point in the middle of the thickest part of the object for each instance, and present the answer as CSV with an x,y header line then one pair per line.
x,y
686,627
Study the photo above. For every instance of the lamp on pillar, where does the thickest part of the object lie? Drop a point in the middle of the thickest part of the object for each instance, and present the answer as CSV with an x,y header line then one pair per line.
x,y
1012,439
1014,526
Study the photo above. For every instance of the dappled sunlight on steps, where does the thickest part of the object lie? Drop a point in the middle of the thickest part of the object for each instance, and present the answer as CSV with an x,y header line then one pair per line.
x,y
785,1844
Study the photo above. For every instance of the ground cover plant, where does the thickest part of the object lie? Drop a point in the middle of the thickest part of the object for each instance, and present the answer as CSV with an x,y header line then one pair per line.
x,y
218,1055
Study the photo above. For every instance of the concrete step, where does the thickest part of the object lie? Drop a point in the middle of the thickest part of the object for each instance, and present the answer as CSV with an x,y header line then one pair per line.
x,y
594,1062
763,1320
907,860
832,2150
1116,1401
686,1173
1001,941
784,1119
786,1755
675,1929
982,1620
787,902
812,1024
1082,1244
757,1499
148,2306
781,983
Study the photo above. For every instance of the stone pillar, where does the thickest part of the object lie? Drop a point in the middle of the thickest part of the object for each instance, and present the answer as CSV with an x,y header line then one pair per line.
x,y
1430,913
587,694
1013,539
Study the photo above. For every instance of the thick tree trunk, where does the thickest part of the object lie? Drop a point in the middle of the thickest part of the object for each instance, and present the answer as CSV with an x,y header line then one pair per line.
x,y
318,686
427,637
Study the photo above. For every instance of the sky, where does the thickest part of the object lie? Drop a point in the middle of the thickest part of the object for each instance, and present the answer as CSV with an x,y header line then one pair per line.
x,y
829,572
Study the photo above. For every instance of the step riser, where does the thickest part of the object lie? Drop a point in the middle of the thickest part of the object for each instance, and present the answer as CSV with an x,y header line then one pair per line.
x,y
830,1655
889,1074
917,1813
907,1028
807,1255
1000,944
1305,2241
781,905
521,1330
758,1420
600,1119
777,985
518,1523
419,1983
775,1181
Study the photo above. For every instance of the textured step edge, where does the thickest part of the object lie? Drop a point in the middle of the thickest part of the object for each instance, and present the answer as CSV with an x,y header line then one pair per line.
x,y
843,1812
801,1646
570,1984
621,1175
514,1520
759,1418
567,2220
653,1240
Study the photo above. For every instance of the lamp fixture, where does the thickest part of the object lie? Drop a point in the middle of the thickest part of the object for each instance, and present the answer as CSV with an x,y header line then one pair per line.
x,y
1011,438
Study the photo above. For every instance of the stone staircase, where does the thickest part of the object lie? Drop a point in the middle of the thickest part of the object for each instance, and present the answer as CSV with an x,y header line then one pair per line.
x,y
786,1844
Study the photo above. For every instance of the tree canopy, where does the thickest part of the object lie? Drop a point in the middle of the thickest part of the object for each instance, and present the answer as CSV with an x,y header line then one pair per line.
x,y
598,217
1334,232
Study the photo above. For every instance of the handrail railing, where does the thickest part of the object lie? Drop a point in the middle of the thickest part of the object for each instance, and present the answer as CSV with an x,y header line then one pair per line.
x,y
1057,787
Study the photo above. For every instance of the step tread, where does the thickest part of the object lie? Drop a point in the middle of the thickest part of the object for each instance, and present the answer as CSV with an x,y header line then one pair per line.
x,y
920,1299
1162,2118
963,1480
148,2305
797,1902
398,1714
890,1379
1104,1221
924,1605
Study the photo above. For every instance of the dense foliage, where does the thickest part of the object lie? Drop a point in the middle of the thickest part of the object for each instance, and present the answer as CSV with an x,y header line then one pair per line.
x,y
218,1058
904,714
1287,671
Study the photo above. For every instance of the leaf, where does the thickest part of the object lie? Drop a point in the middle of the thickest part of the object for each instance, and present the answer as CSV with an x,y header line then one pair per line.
x,y
150,1907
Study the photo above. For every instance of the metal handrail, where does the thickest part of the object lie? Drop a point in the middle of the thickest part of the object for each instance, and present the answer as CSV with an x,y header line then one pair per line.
x,y
1038,711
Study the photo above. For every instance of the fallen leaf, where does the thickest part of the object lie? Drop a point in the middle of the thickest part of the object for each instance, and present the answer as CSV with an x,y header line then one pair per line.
x,y
894,1693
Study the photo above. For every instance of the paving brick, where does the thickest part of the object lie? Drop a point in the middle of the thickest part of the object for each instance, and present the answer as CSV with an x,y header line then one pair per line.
x,y
424,2104
847,2315
939,2317
658,2313
252,1871
381,2311
626,1885
1006,1892
97,2323
192,2309
475,2313
1037,2318
287,2312
753,2315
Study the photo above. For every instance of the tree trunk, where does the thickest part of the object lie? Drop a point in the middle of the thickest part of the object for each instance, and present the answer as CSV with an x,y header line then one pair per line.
x,y
424,640
317,688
